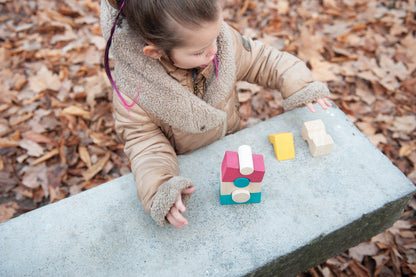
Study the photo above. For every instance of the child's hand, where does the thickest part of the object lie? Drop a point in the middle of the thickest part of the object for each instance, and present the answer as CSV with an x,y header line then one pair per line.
x,y
321,101
175,214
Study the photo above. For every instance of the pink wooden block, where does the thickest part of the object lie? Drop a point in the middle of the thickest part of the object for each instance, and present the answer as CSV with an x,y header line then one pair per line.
x,y
230,168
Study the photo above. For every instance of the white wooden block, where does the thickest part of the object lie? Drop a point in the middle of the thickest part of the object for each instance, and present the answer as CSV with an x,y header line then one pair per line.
x,y
240,196
245,160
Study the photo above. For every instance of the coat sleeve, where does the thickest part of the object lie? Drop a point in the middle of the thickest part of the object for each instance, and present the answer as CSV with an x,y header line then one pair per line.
x,y
269,67
153,160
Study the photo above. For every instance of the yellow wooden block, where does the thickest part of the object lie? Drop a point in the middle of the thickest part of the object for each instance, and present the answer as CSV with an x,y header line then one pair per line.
x,y
284,147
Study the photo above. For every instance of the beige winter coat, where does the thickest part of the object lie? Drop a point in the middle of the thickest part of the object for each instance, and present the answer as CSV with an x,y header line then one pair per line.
x,y
169,119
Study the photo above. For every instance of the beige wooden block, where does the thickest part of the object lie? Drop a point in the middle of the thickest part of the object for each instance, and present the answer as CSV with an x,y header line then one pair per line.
x,y
312,127
229,187
320,144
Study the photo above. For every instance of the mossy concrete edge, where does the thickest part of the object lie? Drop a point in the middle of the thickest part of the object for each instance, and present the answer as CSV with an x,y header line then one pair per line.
x,y
329,245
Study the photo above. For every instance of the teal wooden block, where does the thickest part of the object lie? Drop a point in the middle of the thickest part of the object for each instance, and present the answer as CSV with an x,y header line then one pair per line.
x,y
241,182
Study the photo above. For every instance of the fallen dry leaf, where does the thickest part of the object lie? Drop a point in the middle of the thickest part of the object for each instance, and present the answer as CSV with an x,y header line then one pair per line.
x,y
363,249
32,148
96,168
7,210
43,80
36,137
84,155
358,269
404,124
77,111
35,176
17,119
46,157
7,142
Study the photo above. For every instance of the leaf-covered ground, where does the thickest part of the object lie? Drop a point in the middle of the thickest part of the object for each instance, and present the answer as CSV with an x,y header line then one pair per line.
x,y
57,133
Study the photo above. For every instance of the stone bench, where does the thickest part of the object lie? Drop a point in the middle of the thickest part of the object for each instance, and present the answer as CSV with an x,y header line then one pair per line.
x,y
312,208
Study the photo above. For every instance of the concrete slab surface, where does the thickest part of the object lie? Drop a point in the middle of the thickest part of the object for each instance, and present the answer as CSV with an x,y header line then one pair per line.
x,y
312,208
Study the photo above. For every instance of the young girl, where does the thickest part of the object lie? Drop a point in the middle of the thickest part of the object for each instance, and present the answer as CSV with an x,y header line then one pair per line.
x,y
176,64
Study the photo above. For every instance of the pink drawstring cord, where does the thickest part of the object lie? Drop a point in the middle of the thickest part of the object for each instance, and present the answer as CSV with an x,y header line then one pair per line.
x,y
107,66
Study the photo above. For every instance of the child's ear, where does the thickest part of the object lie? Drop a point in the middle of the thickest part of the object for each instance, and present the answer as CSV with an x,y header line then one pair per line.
x,y
152,51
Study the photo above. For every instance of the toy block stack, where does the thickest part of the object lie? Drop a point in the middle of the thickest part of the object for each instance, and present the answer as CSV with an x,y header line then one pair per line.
x,y
241,176
284,148
320,143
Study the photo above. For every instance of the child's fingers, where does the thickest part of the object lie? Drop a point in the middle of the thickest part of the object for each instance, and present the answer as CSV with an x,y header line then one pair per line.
x,y
327,102
176,218
310,107
322,103
188,190
173,221
179,204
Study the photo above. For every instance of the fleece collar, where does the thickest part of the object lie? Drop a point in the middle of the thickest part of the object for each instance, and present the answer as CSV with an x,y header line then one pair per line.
x,y
160,94
188,78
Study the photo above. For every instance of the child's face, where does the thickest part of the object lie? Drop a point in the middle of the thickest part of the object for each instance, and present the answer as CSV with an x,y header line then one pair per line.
x,y
201,45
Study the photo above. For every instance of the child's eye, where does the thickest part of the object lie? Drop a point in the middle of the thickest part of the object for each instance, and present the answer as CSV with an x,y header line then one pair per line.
x,y
199,53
